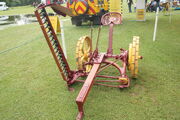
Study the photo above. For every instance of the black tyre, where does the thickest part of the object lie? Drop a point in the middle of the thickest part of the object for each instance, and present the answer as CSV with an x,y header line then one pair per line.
x,y
78,23
97,20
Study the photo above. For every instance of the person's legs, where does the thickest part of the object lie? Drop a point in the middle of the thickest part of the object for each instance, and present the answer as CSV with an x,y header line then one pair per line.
x,y
129,6
134,9
158,6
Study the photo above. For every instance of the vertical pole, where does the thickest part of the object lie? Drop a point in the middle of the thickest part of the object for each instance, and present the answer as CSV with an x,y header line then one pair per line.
x,y
91,31
63,39
110,50
155,26
97,43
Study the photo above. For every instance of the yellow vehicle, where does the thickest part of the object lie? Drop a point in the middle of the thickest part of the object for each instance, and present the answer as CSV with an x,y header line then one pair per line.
x,y
89,10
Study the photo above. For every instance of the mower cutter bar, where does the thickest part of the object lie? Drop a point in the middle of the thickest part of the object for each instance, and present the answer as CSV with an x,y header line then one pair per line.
x,y
53,43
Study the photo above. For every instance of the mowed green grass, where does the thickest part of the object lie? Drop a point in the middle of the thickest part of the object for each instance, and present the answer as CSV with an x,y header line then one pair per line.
x,y
31,87
20,10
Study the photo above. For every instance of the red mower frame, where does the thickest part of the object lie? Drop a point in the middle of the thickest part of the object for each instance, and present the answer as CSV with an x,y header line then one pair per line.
x,y
96,61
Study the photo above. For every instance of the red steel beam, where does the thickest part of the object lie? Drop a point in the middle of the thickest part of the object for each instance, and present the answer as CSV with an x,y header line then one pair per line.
x,y
81,98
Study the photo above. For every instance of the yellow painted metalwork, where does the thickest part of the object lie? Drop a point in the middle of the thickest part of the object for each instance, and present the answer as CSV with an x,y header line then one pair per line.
x,y
83,8
133,56
124,80
140,14
83,50
115,6
94,6
72,7
55,23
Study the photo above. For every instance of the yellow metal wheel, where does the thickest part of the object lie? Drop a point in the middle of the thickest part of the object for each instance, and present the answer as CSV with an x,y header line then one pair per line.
x,y
133,56
83,50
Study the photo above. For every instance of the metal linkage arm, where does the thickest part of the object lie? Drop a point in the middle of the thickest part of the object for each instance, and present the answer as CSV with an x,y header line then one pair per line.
x,y
81,98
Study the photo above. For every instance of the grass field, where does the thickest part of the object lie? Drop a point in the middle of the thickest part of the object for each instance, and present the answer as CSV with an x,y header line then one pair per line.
x,y
31,87
20,10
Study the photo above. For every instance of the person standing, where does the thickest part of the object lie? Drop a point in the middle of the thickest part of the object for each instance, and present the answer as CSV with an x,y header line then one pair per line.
x,y
130,2
135,7
158,1
158,4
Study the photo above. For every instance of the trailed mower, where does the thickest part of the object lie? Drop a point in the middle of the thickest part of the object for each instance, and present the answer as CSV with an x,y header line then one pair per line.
x,y
91,63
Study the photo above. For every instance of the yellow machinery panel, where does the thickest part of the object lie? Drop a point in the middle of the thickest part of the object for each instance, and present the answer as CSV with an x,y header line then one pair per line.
x,y
115,6
92,10
55,23
81,7
93,7
89,7
72,6
140,15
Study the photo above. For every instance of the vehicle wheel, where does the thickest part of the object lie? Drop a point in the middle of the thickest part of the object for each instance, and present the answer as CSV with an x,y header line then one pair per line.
x,y
83,51
133,56
78,23
97,20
